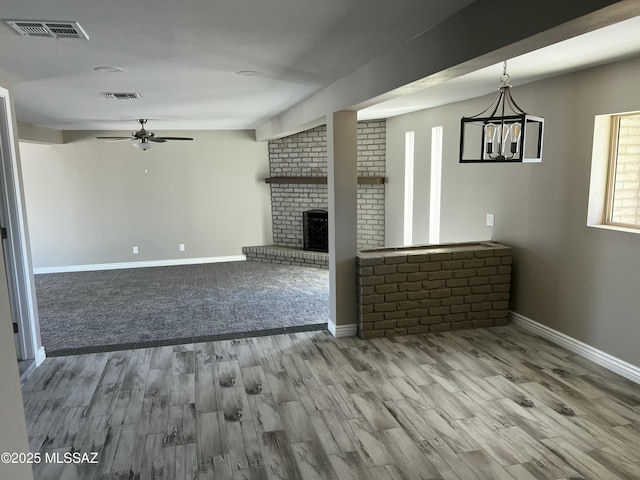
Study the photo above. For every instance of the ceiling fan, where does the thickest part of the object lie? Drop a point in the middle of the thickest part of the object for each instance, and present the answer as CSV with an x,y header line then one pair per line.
x,y
144,139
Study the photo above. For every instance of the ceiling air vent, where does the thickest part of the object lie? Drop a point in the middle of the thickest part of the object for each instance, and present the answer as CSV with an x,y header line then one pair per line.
x,y
46,28
121,95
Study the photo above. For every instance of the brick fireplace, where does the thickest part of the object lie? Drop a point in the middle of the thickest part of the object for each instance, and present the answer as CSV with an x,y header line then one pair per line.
x,y
304,156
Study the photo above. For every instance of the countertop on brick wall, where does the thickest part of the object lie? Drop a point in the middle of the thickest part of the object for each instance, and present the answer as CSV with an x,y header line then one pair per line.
x,y
429,249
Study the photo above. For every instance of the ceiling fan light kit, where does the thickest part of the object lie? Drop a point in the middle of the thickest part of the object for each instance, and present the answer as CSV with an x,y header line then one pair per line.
x,y
143,139
143,145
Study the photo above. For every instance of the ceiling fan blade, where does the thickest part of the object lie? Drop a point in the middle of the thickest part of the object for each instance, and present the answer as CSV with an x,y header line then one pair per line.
x,y
143,136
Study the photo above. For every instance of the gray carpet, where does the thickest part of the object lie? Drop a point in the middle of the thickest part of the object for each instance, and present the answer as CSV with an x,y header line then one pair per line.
x,y
82,312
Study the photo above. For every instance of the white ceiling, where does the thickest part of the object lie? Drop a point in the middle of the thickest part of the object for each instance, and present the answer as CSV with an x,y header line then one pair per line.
x,y
181,57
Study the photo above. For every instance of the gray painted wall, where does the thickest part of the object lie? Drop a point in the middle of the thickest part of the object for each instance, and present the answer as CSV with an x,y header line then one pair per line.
x,y
90,201
582,281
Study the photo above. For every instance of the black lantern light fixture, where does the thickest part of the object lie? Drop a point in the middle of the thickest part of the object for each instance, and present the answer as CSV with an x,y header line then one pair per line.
x,y
502,132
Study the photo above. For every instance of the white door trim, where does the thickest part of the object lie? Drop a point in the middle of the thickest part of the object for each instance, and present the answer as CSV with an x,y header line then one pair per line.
x,y
19,271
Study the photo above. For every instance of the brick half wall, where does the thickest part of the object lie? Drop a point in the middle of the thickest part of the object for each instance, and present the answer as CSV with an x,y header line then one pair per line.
x,y
433,289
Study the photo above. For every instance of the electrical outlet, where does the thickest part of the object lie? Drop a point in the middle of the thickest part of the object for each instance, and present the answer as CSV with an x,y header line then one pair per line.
x,y
490,219
135,250
181,247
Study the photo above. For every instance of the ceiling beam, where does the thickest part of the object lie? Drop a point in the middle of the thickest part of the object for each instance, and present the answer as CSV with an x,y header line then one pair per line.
x,y
484,33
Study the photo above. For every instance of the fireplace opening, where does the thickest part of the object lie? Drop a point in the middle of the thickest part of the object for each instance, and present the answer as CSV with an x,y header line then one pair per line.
x,y
315,228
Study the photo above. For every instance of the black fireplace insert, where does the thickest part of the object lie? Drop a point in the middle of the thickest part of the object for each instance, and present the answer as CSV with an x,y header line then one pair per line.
x,y
315,227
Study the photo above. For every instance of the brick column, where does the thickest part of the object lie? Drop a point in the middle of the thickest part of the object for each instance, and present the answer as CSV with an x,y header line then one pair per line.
x,y
342,157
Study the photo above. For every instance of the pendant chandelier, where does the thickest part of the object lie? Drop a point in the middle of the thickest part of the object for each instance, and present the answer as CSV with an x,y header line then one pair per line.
x,y
502,132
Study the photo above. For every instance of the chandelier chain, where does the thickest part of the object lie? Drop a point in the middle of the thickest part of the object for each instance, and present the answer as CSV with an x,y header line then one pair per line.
x,y
504,78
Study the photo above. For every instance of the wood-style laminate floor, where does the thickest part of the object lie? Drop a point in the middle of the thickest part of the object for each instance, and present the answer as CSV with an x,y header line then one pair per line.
x,y
477,404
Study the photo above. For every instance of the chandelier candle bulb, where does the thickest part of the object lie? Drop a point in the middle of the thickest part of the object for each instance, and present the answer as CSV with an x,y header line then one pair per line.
x,y
501,136
506,135
489,136
515,130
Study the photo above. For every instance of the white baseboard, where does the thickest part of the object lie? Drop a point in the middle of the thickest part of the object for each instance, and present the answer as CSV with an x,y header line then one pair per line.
x,y
342,330
603,359
150,263
41,356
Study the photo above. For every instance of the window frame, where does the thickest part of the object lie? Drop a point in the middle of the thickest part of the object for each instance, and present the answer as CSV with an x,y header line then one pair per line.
x,y
612,165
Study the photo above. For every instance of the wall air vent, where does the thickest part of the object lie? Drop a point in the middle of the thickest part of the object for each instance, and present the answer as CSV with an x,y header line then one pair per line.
x,y
121,95
46,28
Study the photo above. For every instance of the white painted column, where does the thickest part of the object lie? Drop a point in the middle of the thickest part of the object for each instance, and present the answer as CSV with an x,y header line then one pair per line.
x,y
342,155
